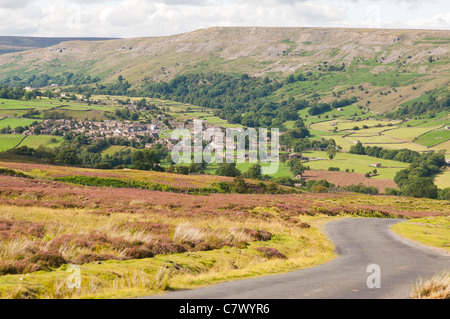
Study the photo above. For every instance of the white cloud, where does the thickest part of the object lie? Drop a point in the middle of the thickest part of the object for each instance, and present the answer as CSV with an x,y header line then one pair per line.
x,y
14,4
138,18
438,22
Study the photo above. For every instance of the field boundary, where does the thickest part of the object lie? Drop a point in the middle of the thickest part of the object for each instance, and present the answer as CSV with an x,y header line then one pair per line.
x,y
436,129
21,141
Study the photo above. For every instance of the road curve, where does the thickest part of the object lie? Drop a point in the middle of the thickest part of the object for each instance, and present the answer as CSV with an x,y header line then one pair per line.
x,y
359,242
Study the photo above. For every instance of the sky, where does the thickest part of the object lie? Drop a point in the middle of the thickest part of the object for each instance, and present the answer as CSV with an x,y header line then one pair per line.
x,y
147,18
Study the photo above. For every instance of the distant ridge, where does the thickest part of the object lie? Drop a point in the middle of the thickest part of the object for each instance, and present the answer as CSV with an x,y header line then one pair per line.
x,y
9,44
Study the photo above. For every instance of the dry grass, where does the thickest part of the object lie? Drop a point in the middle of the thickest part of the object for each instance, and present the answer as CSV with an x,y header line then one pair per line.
x,y
436,287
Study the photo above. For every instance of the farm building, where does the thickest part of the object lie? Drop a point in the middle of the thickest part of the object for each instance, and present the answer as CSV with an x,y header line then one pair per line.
x,y
447,127
375,165
294,155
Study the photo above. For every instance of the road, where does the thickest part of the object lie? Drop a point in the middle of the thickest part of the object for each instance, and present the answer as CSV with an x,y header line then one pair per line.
x,y
359,242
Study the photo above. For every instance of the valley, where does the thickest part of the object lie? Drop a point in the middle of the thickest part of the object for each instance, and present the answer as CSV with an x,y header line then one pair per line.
x,y
88,176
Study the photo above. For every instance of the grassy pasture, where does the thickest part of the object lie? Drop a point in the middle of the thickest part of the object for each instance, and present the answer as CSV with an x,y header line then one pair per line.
x,y
399,146
359,163
110,150
14,122
9,141
426,123
34,141
348,125
443,147
433,137
408,134
442,180
374,139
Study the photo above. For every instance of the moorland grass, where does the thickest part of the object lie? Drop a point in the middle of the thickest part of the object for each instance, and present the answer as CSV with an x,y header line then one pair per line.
x,y
432,231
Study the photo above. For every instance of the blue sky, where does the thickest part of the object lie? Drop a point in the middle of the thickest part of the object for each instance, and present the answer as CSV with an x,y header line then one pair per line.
x,y
143,18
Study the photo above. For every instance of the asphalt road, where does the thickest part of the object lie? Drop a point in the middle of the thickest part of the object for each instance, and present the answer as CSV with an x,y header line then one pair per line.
x,y
359,242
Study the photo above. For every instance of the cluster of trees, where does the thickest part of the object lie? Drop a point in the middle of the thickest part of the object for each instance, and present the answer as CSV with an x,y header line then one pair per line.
x,y
228,169
292,78
320,186
116,88
78,150
296,167
13,93
426,108
403,155
321,108
414,181
231,95
42,80
238,99
360,188
300,142
417,181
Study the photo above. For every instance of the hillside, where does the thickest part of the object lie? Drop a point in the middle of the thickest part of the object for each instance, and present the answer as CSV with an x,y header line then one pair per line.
x,y
9,44
378,59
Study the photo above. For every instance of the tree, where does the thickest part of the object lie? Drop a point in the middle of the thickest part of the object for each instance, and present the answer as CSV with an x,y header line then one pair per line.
x,y
357,149
239,185
320,189
444,194
299,123
145,159
68,156
254,172
296,166
142,103
29,95
420,187
228,169
331,152
182,169
296,133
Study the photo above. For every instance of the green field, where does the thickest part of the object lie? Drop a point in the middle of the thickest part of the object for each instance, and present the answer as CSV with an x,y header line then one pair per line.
x,y
77,109
34,141
345,125
359,163
408,134
427,122
110,150
13,122
9,141
433,138
443,147
443,180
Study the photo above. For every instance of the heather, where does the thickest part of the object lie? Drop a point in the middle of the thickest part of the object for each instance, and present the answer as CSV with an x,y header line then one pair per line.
x,y
132,241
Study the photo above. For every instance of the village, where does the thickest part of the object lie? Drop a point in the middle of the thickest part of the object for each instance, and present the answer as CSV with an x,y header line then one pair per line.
x,y
155,131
